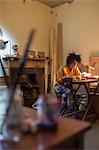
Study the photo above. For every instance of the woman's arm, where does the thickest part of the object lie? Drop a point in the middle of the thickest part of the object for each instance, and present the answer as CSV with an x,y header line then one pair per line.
x,y
77,73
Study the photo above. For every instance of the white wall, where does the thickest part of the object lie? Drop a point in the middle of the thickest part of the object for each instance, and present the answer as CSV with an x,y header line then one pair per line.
x,y
80,27
0,13
80,24
19,18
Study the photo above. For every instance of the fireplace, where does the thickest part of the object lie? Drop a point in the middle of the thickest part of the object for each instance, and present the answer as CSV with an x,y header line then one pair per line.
x,y
31,84
34,80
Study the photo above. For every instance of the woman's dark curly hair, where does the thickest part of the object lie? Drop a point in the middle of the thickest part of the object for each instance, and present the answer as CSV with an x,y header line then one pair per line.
x,y
77,57
70,59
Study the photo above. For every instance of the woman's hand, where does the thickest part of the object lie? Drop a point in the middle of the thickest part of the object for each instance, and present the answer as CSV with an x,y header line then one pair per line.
x,y
76,78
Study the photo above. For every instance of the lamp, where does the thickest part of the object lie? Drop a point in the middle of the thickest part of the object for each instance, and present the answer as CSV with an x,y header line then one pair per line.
x,y
1,34
3,43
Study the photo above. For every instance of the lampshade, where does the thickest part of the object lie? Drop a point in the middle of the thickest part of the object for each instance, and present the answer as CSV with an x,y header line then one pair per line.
x,y
1,34
3,44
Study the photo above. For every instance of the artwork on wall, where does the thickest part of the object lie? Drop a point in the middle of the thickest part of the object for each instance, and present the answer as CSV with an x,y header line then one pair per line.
x,y
36,54
31,54
41,54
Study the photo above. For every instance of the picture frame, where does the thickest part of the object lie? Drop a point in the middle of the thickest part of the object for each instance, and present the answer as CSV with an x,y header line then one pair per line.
x,y
41,54
32,54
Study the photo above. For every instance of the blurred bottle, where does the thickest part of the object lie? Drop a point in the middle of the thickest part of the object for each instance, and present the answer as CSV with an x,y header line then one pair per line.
x,y
11,129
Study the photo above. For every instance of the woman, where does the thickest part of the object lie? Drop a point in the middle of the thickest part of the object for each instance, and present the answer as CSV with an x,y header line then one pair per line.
x,y
69,70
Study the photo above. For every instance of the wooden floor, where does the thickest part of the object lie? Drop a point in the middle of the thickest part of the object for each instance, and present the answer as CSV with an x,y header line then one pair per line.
x,y
91,141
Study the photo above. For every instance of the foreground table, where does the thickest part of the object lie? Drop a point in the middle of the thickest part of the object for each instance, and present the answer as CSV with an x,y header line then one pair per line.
x,y
69,135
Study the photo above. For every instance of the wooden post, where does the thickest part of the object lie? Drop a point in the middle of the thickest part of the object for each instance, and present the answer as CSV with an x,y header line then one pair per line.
x,y
60,44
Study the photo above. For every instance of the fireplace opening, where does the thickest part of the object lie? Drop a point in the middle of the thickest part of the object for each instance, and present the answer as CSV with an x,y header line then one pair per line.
x,y
32,84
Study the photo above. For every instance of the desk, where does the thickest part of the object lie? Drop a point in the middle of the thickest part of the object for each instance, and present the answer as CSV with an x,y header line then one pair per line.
x,y
84,83
30,64
69,135
87,88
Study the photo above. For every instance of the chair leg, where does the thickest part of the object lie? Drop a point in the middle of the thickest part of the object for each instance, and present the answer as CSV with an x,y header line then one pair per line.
x,y
59,101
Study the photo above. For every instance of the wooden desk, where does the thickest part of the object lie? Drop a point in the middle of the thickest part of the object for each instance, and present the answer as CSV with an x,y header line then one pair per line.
x,y
69,135
86,84
30,64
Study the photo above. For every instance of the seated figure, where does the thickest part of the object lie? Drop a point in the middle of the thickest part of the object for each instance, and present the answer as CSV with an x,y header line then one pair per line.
x,y
82,67
69,70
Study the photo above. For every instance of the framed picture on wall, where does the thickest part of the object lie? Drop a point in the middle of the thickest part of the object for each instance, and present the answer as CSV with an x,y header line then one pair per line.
x,y
41,54
31,54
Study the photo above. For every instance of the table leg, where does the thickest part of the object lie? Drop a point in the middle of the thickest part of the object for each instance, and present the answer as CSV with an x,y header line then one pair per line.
x,y
90,103
86,88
